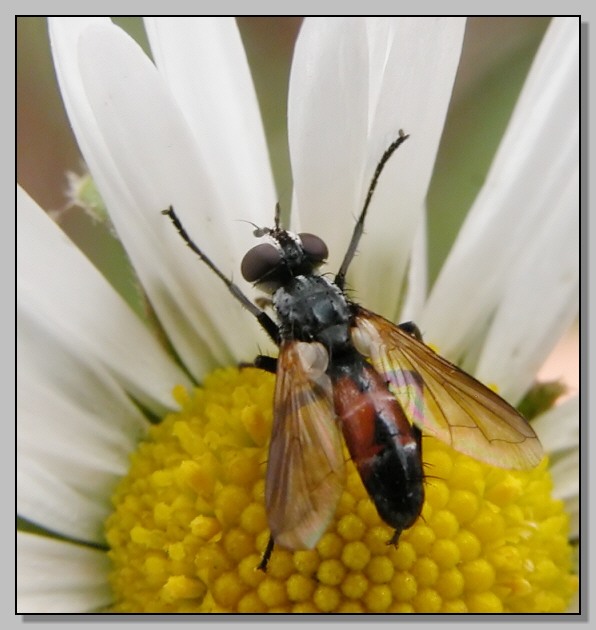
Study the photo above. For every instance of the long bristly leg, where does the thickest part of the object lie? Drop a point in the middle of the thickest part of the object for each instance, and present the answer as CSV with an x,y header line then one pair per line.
x,y
269,326
269,364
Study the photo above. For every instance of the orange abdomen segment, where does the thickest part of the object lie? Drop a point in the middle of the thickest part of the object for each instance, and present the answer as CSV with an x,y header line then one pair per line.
x,y
384,446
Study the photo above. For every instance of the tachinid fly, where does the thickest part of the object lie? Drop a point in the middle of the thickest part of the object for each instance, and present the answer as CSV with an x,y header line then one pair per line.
x,y
343,369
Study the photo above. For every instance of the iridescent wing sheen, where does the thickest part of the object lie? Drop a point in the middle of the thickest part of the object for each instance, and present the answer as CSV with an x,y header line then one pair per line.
x,y
443,400
305,470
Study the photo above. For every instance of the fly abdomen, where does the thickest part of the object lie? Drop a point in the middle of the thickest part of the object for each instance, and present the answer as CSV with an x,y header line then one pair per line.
x,y
384,446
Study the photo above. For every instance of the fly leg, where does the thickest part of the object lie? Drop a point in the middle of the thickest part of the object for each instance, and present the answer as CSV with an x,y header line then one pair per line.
x,y
266,555
269,364
263,362
268,325
411,329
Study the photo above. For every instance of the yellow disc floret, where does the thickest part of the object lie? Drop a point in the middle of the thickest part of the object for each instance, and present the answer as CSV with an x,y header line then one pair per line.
x,y
189,527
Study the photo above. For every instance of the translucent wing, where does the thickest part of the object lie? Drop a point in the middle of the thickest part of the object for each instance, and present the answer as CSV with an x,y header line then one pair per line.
x,y
445,401
305,471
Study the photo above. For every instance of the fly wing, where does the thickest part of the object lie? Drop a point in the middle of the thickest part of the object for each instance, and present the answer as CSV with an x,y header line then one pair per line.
x,y
445,401
305,471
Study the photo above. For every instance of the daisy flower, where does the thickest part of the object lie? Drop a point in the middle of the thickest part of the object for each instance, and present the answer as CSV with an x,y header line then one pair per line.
x,y
142,449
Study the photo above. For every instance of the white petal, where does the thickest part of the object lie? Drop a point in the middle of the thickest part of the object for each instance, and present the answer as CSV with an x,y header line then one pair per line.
x,y
558,429
47,501
59,577
205,66
328,127
413,62
143,158
563,362
354,84
565,473
536,160
417,276
59,286
76,428
540,302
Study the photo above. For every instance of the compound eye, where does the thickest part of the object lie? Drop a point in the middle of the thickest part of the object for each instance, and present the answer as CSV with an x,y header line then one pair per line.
x,y
314,247
259,261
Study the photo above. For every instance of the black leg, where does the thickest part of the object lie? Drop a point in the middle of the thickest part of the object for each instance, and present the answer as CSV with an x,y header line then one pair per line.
x,y
395,538
269,364
262,362
266,322
266,555
411,329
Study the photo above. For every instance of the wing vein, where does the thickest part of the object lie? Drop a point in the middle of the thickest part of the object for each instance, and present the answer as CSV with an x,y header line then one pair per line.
x,y
445,401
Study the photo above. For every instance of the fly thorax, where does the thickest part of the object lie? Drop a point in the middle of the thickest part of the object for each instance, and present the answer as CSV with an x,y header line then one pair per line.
x,y
312,308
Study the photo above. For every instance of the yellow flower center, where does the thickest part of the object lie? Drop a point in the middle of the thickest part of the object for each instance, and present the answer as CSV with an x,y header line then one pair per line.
x,y
189,527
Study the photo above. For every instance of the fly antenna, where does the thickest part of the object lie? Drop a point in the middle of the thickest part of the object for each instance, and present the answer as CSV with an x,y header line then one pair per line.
x,y
359,228
277,215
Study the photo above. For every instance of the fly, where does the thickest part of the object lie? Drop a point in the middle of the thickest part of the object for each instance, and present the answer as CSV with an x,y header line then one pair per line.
x,y
344,370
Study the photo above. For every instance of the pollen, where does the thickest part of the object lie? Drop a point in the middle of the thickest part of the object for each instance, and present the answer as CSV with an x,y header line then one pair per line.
x,y
189,527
